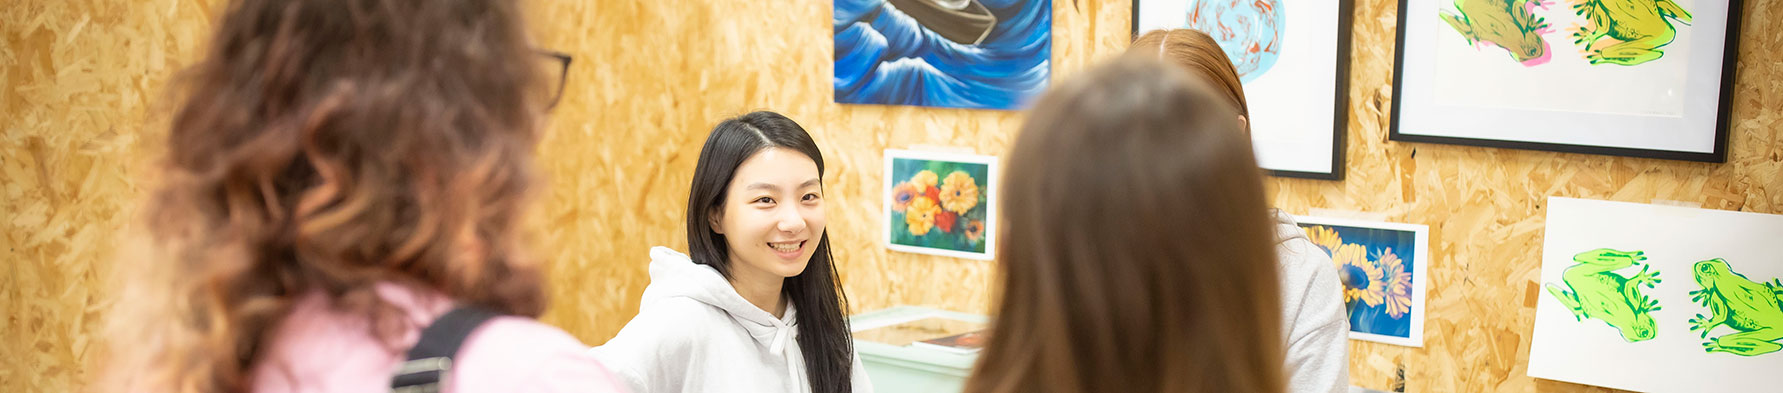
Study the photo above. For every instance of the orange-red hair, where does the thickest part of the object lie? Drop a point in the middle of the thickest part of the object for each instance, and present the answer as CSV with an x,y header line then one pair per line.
x,y
1199,54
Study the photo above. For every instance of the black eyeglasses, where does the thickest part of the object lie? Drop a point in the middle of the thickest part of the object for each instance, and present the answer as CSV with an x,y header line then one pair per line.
x,y
556,67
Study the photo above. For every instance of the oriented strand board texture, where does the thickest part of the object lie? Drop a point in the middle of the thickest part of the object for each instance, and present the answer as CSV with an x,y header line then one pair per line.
x,y
621,175
79,81
681,68
1485,208
650,81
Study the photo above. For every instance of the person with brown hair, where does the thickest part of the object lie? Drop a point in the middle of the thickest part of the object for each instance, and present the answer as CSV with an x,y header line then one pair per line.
x,y
1315,327
1137,254
340,175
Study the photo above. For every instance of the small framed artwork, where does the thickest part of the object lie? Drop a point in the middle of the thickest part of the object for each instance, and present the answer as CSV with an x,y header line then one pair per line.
x,y
941,203
980,54
1292,57
1381,265
1653,79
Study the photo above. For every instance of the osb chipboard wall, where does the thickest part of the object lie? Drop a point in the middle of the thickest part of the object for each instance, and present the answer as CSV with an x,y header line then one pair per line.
x,y
658,76
78,80
79,83
1485,208
705,63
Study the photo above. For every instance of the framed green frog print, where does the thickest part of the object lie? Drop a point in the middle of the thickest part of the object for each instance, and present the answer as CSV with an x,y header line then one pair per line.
x,y
1639,78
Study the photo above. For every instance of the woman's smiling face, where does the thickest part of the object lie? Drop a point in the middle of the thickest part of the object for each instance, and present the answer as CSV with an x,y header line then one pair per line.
x,y
772,214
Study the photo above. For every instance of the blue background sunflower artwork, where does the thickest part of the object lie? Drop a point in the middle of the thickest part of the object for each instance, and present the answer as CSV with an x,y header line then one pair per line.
x,y
1381,266
940,203
981,54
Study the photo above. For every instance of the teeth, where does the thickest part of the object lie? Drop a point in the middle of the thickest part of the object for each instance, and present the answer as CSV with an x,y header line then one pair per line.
x,y
785,247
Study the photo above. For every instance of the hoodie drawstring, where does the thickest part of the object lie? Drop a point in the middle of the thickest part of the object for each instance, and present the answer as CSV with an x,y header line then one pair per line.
x,y
780,346
780,338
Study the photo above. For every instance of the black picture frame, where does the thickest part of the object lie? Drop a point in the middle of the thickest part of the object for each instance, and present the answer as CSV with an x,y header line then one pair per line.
x,y
1340,111
1723,113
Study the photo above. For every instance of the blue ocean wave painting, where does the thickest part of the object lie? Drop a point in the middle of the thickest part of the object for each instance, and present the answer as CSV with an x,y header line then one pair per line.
x,y
985,54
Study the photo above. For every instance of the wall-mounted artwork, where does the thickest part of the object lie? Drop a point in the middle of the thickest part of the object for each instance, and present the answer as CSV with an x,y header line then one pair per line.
x,y
941,203
1649,78
1293,59
987,54
1382,267
1658,298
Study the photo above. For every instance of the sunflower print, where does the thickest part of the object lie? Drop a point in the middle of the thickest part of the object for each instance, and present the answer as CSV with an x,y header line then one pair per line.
x,y
1324,237
1352,261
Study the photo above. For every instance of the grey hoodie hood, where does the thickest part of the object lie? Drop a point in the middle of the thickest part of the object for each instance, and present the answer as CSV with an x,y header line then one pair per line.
x,y
695,333
673,274
1286,229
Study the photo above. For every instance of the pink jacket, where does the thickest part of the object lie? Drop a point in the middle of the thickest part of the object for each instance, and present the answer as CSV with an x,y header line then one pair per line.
x,y
318,349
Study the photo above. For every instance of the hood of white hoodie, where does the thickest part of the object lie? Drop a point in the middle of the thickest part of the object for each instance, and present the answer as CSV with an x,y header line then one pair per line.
x,y
1285,227
740,347
673,275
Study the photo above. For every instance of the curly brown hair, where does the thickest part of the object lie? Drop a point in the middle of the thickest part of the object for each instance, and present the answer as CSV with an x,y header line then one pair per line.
x,y
329,146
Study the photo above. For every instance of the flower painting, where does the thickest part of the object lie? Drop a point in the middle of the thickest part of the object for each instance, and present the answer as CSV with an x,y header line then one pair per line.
x,y
940,203
1381,266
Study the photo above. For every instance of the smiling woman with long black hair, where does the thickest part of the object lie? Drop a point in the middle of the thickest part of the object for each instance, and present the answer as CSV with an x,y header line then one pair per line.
x,y
756,308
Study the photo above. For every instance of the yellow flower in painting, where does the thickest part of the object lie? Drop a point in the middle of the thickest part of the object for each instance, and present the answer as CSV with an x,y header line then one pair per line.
x,y
920,215
1352,260
1396,283
923,180
959,193
1324,237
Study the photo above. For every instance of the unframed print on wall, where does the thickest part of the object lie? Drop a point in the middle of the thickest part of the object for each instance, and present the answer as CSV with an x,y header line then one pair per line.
x,y
1659,298
1382,267
1286,53
941,203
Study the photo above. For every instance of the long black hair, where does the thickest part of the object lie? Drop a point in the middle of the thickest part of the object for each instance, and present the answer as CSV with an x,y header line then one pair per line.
x,y
823,333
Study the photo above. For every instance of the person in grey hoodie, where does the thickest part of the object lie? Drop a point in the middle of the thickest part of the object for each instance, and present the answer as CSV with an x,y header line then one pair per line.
x,y
756,307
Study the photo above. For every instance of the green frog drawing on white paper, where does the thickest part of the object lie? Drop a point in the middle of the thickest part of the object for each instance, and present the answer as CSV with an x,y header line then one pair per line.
x,y
1752,309
1594,290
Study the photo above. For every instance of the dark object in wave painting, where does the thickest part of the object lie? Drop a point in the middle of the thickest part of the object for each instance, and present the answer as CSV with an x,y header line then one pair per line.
x,y
989,54
964,22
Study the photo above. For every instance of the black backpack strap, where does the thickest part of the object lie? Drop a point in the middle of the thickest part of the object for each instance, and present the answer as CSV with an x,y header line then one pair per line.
x,y
430,360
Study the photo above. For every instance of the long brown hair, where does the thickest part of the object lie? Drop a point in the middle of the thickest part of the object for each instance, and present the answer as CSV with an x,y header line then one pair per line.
x,y
1136,256
328,146
1200,55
